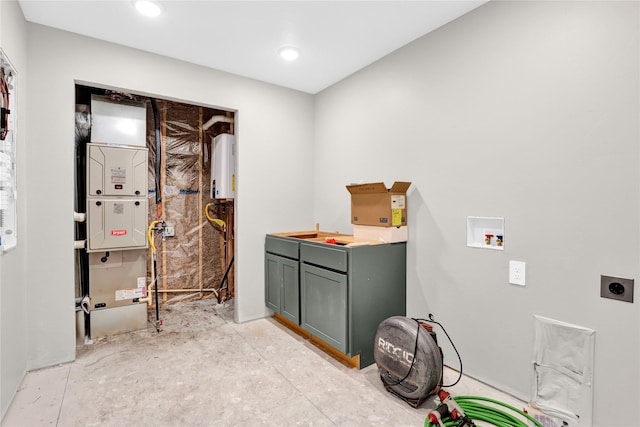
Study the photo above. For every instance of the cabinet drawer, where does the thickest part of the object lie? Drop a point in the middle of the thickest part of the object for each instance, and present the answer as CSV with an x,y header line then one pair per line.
x,y
281,246
327,256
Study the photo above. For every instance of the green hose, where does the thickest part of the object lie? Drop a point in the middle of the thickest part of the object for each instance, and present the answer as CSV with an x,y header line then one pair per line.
x,y
481,412
472,408
489,417
460,399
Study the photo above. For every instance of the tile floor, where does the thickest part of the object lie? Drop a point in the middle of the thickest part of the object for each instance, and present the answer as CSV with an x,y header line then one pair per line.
x,y
203,369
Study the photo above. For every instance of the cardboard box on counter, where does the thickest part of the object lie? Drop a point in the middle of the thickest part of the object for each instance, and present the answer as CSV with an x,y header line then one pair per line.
x,y
374,204
381,234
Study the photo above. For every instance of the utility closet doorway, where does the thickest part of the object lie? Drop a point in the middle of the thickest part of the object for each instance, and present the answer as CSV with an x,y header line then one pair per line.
x,y
189,230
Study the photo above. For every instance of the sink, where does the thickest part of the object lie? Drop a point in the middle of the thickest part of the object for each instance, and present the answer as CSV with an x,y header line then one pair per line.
x,y
310,235
334,238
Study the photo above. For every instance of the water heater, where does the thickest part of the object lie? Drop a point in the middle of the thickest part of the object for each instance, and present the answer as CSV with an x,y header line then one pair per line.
x,y
223,167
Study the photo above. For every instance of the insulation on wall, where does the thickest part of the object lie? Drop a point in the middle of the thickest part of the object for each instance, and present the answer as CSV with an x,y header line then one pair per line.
x,y
194,260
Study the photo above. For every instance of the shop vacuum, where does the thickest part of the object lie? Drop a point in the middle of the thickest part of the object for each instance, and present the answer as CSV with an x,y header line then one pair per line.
x,y
410,364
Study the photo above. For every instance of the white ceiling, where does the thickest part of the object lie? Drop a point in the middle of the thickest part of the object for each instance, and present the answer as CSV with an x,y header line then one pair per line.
x,y
335,38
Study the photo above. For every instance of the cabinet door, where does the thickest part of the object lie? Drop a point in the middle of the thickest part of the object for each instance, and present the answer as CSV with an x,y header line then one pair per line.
x,y
324,305
282,293
290,291
116,171
273,281
117,223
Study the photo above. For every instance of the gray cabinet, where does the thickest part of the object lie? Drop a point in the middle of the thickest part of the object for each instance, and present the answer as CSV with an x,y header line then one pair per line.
x,y
282,278
324,305
338,294
348,291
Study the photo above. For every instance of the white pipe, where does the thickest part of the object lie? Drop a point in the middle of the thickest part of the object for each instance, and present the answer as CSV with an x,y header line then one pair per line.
x,y
79,244
216,119
86,304
79,217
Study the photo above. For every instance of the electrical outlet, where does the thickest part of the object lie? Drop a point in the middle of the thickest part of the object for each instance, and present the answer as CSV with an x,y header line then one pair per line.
x,y
616,288
169,231
517,272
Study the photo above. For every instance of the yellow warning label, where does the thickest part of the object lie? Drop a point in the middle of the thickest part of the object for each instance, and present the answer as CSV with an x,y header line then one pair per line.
x,y
396,217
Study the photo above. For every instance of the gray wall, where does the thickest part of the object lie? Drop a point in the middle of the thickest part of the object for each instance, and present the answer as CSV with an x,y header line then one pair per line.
x,y
526,110
275,131
13,284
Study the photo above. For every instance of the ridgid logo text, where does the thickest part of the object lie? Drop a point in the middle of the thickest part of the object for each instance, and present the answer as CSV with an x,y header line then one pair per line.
x,y
395,352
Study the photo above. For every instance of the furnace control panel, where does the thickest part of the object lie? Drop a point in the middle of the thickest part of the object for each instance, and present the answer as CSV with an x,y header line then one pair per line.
x,y
117,205
116,171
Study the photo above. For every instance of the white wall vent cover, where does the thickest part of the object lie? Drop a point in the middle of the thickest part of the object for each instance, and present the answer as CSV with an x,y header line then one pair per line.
x,y
563,370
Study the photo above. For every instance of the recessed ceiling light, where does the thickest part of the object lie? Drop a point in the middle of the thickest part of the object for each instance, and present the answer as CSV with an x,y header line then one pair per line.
x,y
148,8
289,53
